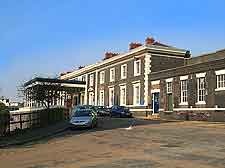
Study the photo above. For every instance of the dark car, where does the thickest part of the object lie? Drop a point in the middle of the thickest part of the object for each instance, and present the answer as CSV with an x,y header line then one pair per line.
x,y
120,111
103,111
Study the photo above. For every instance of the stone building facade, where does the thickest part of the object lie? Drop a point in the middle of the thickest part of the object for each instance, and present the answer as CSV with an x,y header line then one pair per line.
x,y
154,78
124,79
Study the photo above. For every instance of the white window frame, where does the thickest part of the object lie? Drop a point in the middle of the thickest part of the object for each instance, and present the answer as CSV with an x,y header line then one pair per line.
x,y
123,99
112,74
91,80
136,73
91,98
111,97
123,74
220,80
201,97
101,98
183,92
102,77
136,98
169,87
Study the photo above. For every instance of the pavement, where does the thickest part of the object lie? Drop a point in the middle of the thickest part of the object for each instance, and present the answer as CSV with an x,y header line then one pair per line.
x,y
125,143
33,135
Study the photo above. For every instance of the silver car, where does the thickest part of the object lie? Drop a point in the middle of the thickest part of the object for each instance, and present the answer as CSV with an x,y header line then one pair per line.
x,y
83,118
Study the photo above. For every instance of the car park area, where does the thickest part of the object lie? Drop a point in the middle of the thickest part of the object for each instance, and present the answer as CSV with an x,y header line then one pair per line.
x,y
125,142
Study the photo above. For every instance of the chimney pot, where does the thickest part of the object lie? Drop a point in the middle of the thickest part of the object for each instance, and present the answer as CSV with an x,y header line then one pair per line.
x,y
149,40
134,45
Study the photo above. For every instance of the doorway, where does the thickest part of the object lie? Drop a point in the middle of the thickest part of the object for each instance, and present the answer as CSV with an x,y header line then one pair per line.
x,y
155,103
170,102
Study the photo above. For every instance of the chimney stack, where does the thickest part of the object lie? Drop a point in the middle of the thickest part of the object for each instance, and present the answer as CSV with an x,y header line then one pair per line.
x,y
134,45
110,55
149,41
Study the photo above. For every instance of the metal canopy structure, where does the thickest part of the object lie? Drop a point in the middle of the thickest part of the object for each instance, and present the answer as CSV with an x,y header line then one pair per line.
x,y
53,91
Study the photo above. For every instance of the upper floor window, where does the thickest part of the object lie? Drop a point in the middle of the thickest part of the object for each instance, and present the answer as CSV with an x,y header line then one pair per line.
x,y
124,71
112,74
83,78
91,81
137,67
102,77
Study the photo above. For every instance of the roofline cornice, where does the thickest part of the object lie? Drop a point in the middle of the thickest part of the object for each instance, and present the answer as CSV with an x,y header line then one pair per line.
x,y
133,51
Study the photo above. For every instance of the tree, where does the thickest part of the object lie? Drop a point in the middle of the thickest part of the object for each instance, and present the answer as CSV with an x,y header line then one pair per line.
x,y
2,107
43,93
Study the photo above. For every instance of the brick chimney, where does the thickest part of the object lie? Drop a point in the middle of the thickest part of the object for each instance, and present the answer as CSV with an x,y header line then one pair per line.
x,y
110,55
134,45
149,41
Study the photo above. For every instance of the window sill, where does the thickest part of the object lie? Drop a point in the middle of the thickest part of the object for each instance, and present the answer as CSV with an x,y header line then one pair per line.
x,y
220,89
184,104
123,78
137,74
201,103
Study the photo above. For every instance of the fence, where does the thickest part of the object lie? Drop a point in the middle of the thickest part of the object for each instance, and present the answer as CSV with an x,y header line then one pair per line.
x,y
17,121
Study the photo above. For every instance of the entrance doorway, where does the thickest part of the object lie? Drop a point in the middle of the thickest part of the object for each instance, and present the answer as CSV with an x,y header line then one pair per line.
x,y
155,103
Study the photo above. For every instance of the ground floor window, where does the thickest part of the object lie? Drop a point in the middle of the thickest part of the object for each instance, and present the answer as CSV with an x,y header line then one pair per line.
x,y
101,98
220,80
91,98
122,95
111,97
136,94
201,89
184,91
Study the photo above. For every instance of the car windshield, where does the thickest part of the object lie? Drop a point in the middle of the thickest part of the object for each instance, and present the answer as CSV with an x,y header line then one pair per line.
x,y
82,113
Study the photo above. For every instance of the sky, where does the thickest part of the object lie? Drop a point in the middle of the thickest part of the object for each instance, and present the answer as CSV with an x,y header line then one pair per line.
x,y
46,37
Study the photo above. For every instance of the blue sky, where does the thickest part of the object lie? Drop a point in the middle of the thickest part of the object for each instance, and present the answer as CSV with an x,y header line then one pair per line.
x,y
46,37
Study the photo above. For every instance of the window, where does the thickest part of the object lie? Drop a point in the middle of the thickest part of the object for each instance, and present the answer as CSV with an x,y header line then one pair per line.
x,y
83,78
201,89
122,95
112,74
91,80
101,98
124,71
137,67
102,77
136,96
111,96
91,98
183,91
220,80
169,87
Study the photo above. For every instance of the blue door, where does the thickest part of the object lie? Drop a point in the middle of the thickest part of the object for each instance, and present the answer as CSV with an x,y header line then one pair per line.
x,y
155,103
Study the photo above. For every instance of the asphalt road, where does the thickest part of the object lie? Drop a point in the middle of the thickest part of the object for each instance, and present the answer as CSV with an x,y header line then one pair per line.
x,y
116,145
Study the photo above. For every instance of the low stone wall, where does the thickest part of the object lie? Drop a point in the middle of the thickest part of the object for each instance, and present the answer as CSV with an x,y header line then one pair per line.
x,y
211,115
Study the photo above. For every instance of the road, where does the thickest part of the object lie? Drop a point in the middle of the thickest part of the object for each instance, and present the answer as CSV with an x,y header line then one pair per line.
x,y
114,145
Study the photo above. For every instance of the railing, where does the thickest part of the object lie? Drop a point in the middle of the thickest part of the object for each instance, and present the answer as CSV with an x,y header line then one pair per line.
x,y
15,122
25,120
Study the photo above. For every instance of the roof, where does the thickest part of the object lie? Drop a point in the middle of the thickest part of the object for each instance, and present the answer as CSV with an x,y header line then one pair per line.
x,y
220,54
53,80
154,47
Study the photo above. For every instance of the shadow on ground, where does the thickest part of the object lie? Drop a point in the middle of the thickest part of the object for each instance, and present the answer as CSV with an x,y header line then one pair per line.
x,y
104,123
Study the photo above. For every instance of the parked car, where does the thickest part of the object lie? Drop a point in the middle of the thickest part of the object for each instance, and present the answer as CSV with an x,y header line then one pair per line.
x,y
83,118
120,111
103,111
93,108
